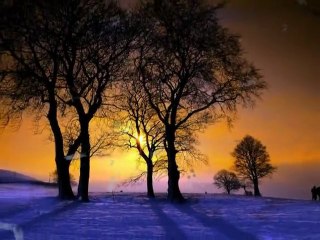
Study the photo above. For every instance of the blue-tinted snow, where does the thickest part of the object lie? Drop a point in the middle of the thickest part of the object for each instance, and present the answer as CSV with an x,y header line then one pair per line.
x,y
37,213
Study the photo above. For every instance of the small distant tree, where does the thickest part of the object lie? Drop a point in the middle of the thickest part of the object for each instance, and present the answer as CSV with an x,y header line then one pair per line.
x,y
252,161
227,180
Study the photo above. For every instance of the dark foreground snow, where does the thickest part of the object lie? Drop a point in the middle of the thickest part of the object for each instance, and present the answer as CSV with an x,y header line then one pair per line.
x,y
34,213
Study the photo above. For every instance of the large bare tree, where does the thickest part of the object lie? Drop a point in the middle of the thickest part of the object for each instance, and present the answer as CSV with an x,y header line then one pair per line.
x,y
65,54
252,161
144,132
192,71
95,46
30,40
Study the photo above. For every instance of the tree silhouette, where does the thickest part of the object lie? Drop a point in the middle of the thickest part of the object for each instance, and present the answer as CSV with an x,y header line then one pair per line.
x,y
65,55
227,180
95,48
143,131
191,70
252,161
102,140
30,44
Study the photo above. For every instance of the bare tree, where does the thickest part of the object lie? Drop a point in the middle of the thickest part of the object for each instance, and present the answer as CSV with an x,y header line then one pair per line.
x,y
30,44
102,141
143,131
102,137
191,70
65,54
96,45
252,161
227,180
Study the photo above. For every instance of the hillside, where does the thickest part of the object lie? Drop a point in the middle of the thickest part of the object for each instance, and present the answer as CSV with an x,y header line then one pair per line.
x,y
8,177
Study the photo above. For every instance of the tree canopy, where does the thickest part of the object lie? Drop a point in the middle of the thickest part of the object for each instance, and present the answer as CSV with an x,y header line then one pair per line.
x,y
191,69
252,161
227,180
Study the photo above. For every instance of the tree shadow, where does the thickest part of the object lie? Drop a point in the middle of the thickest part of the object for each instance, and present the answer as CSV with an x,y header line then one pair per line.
x,y
216,223
40,214
45,215
172,230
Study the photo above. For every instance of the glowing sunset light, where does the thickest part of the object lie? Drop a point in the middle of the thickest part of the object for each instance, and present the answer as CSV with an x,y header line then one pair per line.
x,y
141,139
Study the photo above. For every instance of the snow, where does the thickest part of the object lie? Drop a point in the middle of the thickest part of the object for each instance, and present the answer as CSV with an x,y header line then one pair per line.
x,y
33,212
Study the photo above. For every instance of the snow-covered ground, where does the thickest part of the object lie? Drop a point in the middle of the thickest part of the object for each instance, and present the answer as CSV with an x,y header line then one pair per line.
x,y
33,212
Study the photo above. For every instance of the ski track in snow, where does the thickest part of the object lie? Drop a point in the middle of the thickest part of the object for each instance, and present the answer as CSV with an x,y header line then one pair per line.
x,y
39,215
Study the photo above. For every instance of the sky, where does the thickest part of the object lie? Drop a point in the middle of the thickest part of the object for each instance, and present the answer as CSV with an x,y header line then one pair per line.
x,y
281,38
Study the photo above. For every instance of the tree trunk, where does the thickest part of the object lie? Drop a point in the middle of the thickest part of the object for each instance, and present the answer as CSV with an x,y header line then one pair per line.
x,y
150,191
64,185
256,188
174,194
65,189
83,188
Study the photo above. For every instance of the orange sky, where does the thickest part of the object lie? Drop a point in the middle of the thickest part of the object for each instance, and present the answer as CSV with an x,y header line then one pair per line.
x,y
282,38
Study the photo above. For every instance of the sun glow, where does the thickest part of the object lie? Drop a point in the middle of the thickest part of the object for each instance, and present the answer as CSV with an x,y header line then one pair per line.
x,y
140,139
